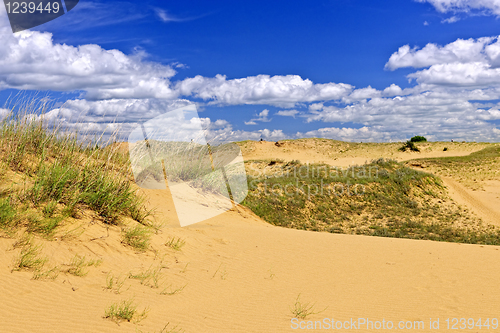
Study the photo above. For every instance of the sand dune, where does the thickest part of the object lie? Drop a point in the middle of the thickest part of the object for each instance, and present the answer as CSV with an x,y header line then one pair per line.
x,y
244,275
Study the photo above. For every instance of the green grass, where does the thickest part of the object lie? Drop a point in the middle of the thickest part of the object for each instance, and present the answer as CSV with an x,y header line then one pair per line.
x,y
137,237
114,284
302,310
61,175
125,311
175,243
165,329
78,265
30,258
392,201
470,170
7,214
171,291
150,277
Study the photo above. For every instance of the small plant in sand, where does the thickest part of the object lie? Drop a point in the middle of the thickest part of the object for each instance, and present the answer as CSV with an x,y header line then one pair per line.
x,y
171,291
303,310
150,277
49,274
78,265
175,243
30,258
137,237
125,311
165,329
114,283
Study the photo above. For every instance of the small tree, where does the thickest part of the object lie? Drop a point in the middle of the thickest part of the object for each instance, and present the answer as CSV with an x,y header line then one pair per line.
x,y
418,138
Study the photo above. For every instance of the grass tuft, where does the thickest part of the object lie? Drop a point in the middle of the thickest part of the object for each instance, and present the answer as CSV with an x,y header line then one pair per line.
x,y
175,243
303,310
61,174
78,265
125,311
30,258
137,237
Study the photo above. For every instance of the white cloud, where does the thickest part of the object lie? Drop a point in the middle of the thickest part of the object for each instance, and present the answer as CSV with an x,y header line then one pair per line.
x,y
30,60
474,74
276,90
486,49
472,63
392,90
362,94
466,6
349,134
438,114
288,113
261,117
126,89
452,19
164,16
315,106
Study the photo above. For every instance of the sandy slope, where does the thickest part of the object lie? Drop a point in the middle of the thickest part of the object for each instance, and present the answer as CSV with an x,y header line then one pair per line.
x,y
483,203
243,275
347,153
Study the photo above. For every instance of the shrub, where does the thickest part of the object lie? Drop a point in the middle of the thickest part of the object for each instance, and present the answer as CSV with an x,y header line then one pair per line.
x,y
409,145
418,138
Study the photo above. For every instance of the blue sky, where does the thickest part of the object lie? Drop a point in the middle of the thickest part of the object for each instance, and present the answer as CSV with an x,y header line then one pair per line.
x,y
355,70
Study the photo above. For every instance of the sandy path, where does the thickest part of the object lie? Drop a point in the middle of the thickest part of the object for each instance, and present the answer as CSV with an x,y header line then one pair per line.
x,y
485,204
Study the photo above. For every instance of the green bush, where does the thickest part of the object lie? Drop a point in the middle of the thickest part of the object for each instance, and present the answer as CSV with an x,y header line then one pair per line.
x,y
409,145
418,138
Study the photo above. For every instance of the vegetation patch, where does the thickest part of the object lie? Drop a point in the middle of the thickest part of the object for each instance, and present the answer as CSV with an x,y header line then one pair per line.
x,y
471,170
137,237
382,198
409,145
79,264
175,243
125,311
58,174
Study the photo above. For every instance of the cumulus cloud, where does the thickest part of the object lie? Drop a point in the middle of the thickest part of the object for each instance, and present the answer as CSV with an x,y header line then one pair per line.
x,y
362,94
122,90
261,117
463,63
30,60
485,50
115,117
276,90
440,115
392,90
288,113
467,6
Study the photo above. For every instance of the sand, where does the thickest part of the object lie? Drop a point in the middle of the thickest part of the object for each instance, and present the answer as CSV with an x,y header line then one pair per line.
x,y
244,275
